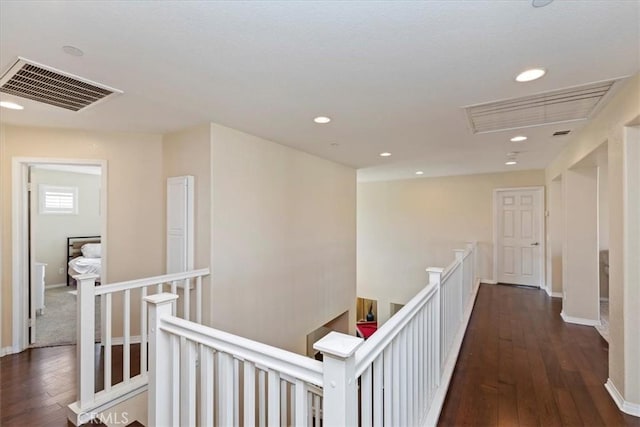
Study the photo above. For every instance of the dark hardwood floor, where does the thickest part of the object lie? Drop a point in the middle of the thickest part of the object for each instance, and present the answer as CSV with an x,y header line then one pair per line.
x,y
37,385
521,365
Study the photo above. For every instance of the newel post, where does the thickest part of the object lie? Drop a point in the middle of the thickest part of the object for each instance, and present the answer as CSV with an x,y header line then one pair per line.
x,y
86,337
159,402
435,278
340,391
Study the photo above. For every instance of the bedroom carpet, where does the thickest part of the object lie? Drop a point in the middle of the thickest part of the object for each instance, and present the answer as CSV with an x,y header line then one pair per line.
x,y
57,325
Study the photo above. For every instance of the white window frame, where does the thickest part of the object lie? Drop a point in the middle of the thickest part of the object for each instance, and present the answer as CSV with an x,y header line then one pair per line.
x,y
44,210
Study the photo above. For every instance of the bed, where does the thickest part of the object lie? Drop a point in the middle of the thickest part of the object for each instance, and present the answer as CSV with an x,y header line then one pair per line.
x,y
84,256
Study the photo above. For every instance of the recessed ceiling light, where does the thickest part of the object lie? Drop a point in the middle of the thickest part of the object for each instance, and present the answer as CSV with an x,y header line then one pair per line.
x,y
385,154
419,173
11,105
530,74
322,120
510,162
518,138
72,50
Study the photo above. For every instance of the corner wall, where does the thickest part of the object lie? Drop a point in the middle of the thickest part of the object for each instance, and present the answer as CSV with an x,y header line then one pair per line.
x,y
406,226
188,152
283,240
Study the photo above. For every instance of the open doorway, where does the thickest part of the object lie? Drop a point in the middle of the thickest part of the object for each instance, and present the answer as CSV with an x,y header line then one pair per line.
x,y
64,235
50,198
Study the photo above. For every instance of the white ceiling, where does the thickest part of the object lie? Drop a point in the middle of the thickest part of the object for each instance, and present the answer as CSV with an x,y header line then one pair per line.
x,y
392,75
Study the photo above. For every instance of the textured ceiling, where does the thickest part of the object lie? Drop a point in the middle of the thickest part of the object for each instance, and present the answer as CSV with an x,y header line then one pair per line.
x,y
392,75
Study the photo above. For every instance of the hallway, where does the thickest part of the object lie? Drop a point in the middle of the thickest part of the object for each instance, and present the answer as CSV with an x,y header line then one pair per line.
x,y
520,364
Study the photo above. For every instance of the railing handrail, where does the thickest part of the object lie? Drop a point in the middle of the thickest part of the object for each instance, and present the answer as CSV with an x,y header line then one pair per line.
x,y
377,343
262,355
149,281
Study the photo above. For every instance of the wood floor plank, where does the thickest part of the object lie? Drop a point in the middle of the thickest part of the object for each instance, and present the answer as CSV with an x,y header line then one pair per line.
x,y
523,365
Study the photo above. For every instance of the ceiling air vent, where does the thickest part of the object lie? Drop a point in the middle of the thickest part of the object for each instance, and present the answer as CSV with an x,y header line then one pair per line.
x,y
41,83
561,133
564,105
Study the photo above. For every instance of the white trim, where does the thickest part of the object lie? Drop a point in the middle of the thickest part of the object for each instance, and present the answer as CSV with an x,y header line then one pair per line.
x,y
541,231
5,351
624,405
437,402
553,294
488,281
57,285
580,320
19,248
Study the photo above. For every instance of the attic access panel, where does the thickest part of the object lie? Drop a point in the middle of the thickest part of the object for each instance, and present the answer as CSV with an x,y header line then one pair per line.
x,y
28,79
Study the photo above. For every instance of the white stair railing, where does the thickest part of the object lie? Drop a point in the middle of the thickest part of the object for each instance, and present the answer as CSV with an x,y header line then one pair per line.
x,y
133,317
203,376
398,377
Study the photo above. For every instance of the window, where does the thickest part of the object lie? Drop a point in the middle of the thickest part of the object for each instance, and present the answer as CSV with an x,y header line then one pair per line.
x,y
58,200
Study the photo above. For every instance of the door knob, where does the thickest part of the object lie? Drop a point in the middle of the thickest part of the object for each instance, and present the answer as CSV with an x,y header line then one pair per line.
x,y
535,244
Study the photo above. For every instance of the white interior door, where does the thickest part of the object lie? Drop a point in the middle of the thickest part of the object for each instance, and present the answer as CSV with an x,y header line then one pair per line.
x,y
519,244
180,231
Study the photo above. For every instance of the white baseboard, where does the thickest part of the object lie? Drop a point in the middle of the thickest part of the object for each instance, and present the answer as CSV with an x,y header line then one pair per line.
x,y
580,320
488,281
5,351
431,418
626,407
57,285
134,339
553,294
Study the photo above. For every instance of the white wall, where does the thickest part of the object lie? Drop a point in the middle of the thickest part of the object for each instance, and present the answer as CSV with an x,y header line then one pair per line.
x,y
49,232
555,233
283,240
406,226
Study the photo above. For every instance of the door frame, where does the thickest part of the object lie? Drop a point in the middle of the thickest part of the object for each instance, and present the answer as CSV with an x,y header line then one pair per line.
x,y
541,211
20,268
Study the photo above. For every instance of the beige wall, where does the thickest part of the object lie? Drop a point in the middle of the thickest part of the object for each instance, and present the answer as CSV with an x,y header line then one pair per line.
x,y
135,197
284,240
608,127
580,250
408,225
188,152
49,232
555,233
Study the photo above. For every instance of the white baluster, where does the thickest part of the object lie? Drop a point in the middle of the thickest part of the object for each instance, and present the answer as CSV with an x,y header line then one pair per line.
x,y
188,383
301,405
273,399
378,404
388,384
225,390
187,299
85,335
339,379
199,299
126,340
249,394
366,381
143,333
108,306
262,399
206,386
159,391
435,277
